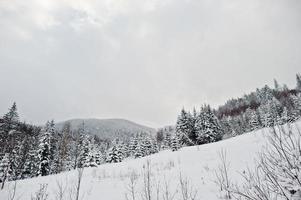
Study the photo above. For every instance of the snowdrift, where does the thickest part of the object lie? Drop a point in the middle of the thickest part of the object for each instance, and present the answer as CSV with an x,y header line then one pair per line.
x,y
195,164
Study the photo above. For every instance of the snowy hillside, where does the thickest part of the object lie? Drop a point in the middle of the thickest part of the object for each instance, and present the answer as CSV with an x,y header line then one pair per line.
x,y
109,128
111,181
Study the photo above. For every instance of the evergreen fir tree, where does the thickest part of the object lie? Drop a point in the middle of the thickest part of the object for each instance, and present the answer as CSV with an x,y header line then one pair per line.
x,y
160,137
133,145
17,160
155,147
266,115
207,127
146,146
265,94
54,158
79,159
276,85
10,120
98,157
296,104
254,122
5,170
84,152
167,141
284,116
247,117
91,161
294,111
114,155
44,153
8,128
175,144
125,149
298,78
139,151
30,166
226,125
185,128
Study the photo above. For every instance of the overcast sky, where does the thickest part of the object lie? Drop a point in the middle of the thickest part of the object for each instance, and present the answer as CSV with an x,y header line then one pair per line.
x,y
142,60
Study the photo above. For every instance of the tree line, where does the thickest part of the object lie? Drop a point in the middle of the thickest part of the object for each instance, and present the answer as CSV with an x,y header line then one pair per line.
x,y
265,107
27,150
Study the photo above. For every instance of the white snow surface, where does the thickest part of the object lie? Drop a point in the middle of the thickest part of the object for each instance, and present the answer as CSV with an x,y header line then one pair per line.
x,y
197,164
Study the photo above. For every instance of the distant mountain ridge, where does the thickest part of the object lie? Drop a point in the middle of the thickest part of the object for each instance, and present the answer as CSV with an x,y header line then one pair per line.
x,y
109,128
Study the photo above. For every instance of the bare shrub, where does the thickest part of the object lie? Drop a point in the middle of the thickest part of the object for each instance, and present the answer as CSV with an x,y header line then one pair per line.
x,y
167,194
131,187
61,190
148,185
222,175
278,173
152,189
41,194
254,187
188,192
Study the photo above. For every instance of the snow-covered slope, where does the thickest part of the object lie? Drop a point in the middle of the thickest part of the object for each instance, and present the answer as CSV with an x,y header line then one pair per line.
x,y
108,128
197,164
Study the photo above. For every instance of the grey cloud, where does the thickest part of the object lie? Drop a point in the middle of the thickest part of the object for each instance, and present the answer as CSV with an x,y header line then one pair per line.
x,y
142,61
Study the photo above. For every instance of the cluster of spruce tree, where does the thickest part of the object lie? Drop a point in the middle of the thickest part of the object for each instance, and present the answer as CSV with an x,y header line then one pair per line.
x,y
200,127
136,147
167,139
266,107
27,151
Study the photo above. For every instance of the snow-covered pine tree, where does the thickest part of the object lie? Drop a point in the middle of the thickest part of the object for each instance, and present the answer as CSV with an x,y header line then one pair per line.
x,y
66,150
298,79
125,149
30,166
200,126
139,151
84,152
254,121
226,125
10,120
114,155
160,138
77,150
175,144
185,128
91,162
266,115
146,146
154,146
208,128
247,116
17,160
54,159
293,111
167,141
5,170
296,105
133,145
265,94
276,109
284,116
44,152
9,126
276,85
98,155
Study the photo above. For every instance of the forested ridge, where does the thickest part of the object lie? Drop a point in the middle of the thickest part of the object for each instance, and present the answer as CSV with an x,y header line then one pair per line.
x,y
28,150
